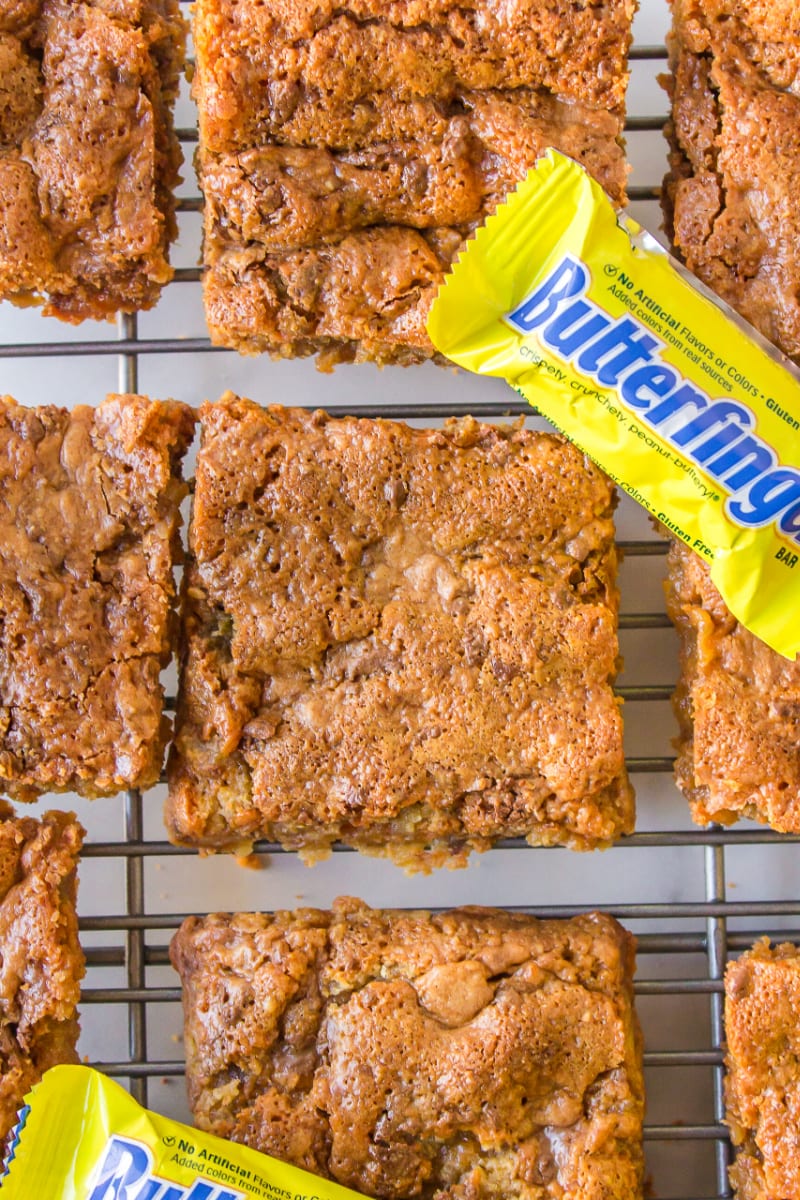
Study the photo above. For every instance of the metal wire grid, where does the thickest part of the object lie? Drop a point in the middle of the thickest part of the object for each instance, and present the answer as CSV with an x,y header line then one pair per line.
x,y
138,946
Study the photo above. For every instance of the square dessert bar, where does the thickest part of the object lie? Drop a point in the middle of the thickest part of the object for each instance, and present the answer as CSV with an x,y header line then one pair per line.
x,y
346,152
42,962
89,513
738,706
762,998
88,156
731,195
471,1053
404,639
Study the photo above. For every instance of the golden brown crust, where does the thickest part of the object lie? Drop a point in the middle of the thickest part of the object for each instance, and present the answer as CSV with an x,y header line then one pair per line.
x,y
41,962
730,197
88,157
762,1087
474,1053
738,705
346,153
402,638
88,526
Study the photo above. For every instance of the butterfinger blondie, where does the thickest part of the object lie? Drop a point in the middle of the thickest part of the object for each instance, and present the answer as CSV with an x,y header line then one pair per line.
x,y
88,526
730,197
346,152
730,204
762,995
88,156
470,1053
404,639
41,963
738,704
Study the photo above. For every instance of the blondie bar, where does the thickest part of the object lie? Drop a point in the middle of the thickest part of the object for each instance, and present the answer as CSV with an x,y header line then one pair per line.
x,y
347,152
469,1053
42,962
404,639
738,706
88,526
762,995
730,206
88,156
730,197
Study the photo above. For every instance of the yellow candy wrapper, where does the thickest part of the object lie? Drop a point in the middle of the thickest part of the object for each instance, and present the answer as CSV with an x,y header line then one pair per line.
x,y
82,1137
674,396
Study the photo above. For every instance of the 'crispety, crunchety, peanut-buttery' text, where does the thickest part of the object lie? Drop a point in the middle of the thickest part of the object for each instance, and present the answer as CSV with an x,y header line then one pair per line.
x,y
676,398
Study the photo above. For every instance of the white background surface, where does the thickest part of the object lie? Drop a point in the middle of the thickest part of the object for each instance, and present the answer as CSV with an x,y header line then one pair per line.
x,y
677,1094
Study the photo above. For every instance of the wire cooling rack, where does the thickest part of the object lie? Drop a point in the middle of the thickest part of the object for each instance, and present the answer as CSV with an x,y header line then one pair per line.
x,y
693,897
